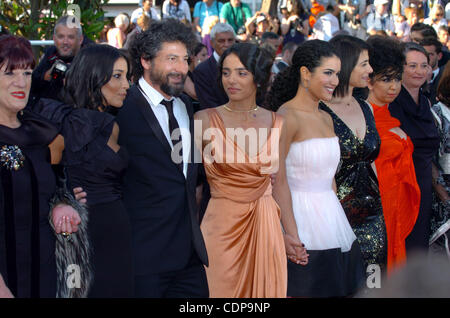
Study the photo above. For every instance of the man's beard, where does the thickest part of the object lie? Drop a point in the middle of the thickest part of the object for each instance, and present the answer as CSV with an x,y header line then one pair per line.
x,y
163,82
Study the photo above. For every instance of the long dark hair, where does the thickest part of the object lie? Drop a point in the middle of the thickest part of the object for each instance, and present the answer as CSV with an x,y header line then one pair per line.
x,y
90,70
348,48
256,60
285,85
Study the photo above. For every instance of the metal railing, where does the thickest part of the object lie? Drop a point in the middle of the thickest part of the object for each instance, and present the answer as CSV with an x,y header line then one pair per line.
x,y
41,42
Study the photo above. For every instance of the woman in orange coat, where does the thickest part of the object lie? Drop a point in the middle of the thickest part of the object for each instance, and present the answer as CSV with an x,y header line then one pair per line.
x,y
400,194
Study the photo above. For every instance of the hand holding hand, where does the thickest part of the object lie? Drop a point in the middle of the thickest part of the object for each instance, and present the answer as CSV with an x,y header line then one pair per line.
x,y
80,195
295,250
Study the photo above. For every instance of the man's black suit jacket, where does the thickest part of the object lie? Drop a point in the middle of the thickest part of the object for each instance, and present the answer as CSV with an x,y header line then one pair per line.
x,y
159,199
431,90
209,94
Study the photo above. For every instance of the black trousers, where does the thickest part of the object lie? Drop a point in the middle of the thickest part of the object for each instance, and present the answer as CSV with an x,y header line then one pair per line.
x,y
189,282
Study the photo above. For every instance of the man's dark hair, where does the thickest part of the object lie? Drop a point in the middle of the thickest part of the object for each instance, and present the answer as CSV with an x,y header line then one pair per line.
x,y
147,44
443,89
290,46
431,41
424,29
269,35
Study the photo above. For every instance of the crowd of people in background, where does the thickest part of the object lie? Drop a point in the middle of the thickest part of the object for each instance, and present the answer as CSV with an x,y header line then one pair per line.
x,y
98,158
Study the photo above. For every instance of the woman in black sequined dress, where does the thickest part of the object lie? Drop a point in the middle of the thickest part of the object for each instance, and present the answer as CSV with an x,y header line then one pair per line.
x,y
354,124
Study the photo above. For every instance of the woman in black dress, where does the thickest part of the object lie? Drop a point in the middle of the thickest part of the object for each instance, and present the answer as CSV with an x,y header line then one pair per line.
x,y
28,184
96,85
413,110
354,124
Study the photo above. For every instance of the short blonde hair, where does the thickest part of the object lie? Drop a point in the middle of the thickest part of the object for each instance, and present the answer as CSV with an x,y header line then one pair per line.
x,y
143,22
437,8
121,19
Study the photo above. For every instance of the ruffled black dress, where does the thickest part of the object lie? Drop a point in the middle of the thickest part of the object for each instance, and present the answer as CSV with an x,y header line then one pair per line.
x,y
27,242
91,164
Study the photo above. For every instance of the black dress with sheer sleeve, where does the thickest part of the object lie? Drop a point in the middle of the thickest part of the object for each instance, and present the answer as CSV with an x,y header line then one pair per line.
x,y
91,164
27,241
357,186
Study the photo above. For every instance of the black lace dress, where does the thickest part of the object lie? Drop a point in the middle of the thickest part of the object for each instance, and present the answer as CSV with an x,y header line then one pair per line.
x,y
357,186
27,242
93,165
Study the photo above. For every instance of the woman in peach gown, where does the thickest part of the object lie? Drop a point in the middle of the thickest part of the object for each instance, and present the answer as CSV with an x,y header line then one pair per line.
x,y
241,227
400,194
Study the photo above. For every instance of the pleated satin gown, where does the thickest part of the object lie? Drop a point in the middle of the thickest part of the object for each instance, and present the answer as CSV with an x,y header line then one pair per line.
x,y
241,226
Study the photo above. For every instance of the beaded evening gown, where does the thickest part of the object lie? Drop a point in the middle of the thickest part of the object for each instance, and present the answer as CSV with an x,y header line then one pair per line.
x,y
357,186
241,226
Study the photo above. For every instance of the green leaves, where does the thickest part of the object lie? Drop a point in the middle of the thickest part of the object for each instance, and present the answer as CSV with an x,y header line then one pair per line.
x,y
35,19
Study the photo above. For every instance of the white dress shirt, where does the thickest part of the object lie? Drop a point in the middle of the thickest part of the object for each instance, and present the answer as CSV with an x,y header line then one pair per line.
x,y
181,12
154,98
139,11
216,57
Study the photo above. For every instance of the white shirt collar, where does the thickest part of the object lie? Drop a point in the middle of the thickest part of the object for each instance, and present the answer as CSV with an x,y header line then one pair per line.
x,y
435,74
216,56
154,96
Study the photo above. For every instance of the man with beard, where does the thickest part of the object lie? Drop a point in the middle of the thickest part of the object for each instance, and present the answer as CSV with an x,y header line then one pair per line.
x,y
160,182
47,79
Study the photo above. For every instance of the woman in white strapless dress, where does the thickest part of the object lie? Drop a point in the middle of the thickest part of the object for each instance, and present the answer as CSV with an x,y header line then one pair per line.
x,y
335,266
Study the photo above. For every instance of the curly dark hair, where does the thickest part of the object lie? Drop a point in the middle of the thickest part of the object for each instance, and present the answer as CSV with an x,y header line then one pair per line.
x,y
147,44
256,60
432,41
285,85
90,70
386,57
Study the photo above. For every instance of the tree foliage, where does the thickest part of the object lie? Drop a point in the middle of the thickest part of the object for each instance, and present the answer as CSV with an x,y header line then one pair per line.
x,y
35,19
